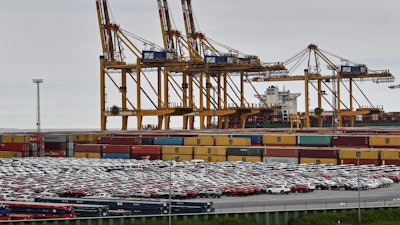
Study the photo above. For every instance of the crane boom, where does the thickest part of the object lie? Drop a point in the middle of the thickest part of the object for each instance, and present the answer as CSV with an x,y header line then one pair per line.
x,y
165,22
106,27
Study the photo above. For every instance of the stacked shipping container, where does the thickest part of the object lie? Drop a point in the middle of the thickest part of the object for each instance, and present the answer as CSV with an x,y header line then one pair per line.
x,y
306,147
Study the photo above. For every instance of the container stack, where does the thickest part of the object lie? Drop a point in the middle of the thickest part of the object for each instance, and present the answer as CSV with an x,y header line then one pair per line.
x,y
244,154
210,153
177,153
87,150
14,146
116,152
319,155
58,145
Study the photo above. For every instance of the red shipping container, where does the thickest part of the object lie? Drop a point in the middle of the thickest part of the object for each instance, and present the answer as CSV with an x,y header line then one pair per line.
x,y
125,141
319,153
281,151
348,140
36,138
16,147
55,153
146,149
55,146
88,148
362,161
103,140
146,156
126,149
154,135
390,162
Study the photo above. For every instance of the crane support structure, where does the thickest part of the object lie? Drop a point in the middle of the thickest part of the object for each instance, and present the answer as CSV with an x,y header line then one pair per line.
x,y
192,76
182,72
347,72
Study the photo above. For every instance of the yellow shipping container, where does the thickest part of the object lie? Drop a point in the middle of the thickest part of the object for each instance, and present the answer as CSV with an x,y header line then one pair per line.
x,y
176,157
223,141
214,135
198,141
392,154
20,139
9,154
364,153
211,158
210,150
319,160
271,139
384,141
91,155
177,150
234,158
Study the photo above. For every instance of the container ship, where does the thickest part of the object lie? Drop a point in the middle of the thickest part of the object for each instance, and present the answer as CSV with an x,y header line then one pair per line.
x,y
286,106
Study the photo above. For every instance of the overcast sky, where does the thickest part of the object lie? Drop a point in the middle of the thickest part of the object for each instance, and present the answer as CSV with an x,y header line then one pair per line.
x,y
59,41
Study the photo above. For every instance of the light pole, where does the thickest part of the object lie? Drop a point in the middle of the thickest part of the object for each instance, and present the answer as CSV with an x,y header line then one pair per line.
x,y
38,82
170,192
358,154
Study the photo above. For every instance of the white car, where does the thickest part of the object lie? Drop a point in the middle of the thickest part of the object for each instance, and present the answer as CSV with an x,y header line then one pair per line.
x,y
278,189
25,198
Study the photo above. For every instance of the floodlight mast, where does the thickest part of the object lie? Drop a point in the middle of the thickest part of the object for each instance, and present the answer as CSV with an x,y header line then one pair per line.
x,y
38,82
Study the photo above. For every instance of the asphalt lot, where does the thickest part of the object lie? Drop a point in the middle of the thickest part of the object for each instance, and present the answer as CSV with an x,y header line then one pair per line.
x,y
319,199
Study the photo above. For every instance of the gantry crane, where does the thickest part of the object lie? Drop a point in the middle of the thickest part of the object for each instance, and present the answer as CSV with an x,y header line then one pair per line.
x,y
220,67
348,71
179,58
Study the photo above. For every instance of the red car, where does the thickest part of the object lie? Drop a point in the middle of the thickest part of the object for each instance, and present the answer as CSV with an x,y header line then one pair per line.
x,y
300,188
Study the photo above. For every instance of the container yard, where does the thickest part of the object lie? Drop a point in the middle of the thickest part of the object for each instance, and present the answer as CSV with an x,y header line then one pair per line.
x,y
227,146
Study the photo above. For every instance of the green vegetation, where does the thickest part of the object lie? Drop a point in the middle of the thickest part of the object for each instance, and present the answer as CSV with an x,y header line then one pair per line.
x,y
368,217
224,221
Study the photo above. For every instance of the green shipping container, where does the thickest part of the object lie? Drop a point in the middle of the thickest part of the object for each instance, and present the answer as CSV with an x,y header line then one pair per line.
x,y
244,151
314,140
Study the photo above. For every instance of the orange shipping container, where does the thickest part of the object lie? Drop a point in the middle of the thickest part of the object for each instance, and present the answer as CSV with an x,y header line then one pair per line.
x,y
198,141
15,139
9,154
319,160
364,153
384,141
211,158
279,139
210,150
91,155
392,154
233,158
177,150
176,157
223,141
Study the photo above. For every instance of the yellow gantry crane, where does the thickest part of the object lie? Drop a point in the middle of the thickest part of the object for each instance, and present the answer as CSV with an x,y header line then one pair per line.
x,y
346,72
181,59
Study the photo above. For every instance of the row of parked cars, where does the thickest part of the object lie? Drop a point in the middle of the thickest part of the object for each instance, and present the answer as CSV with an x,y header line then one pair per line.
x,y
25,179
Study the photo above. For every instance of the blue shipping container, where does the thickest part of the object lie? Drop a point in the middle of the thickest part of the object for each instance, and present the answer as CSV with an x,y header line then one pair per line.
x,y
116,156
168,141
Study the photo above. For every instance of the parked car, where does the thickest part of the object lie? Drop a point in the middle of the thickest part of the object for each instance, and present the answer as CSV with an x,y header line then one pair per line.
x,y
278,189
300,188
